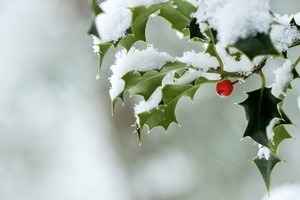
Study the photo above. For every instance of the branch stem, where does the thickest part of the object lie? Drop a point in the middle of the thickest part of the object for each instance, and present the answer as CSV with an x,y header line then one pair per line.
x,y
216,52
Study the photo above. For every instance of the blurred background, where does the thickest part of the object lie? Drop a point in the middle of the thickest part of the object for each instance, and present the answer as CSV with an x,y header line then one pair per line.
x,y
59,141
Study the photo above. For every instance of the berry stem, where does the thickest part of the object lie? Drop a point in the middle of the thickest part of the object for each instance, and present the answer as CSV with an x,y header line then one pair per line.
x,y
216,52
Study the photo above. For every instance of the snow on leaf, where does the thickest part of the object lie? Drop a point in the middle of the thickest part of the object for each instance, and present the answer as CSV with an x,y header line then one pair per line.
x,y
235,19
164,114
135,60
266,166
145,84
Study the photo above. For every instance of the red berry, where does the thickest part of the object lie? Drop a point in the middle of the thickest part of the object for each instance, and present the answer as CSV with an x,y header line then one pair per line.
x,y
224,88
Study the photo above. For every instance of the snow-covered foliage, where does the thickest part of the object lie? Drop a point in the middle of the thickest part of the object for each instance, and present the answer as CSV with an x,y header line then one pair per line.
x,y
223,42
235,19
283,34
119,21
134,60
283,76
117,17
285,192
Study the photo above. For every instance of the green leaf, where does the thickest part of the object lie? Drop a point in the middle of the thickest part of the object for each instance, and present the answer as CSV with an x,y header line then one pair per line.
x,y
140,18
104,47
280,134
280,131
185,7
178,20
128,41
211,48
95,7
164,114
260,44
177,17
261,108
265,166
145,84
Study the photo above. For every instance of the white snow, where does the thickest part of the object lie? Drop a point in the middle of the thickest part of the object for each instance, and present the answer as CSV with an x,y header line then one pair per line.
x,y
135,60
202,61
283,36
297,18
283,76
232,65
152,102
192,74
189,76
283,19
286,192
234,19
117,17
113,24
263,152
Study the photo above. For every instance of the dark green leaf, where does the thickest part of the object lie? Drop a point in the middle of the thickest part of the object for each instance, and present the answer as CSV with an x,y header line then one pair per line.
x,y
260,44
265,167
293,23
261,108
93,30
195,30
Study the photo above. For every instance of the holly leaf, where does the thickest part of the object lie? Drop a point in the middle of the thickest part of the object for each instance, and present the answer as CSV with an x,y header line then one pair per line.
x,y
185,7
280,134
144,84
95,8
164,114
261,108
93,30
195,31
280,131
128,41
177,19
253,46
140,18
293,23
266,166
